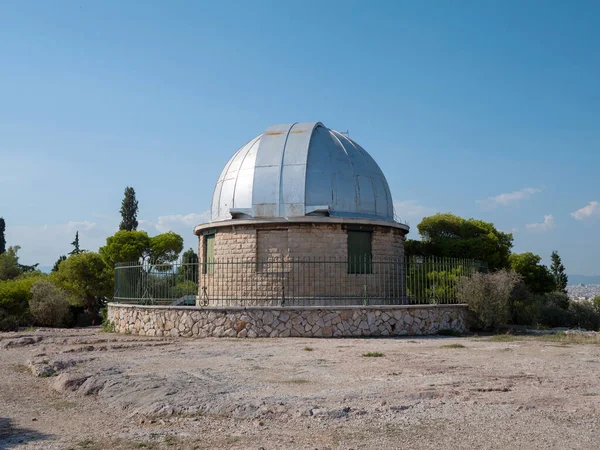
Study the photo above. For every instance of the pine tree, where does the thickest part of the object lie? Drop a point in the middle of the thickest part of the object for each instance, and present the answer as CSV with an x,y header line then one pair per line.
x,y
2,238
57,263
558,273
129,210
75,244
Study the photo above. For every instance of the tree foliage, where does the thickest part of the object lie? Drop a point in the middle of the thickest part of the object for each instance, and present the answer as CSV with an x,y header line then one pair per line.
x,y
129,210
48,305
559,273
14,300
448,235
86,278
164,248
2,236
9,264
76,250
536,276
126,246
488,296
189,266
57,263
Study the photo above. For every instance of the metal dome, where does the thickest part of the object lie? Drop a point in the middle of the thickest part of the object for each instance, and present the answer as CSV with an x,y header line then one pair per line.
x,y
301,169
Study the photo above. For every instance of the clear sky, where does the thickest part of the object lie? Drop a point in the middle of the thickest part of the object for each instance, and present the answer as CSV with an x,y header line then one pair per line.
x,y
485,109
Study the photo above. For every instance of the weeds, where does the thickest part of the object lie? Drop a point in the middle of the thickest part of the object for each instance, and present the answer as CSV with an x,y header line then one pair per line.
x,y
373,355
559,338
453,346
295,381
108,326
308,349
20,368
449,332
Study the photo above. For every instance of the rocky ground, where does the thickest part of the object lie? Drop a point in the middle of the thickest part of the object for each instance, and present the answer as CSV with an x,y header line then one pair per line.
x,y
85,389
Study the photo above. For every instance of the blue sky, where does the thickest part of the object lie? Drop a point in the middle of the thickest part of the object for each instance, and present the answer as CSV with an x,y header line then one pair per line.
x,y
484,109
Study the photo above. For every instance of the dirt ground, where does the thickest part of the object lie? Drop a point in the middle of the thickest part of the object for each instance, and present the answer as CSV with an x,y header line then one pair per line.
x,y
96,390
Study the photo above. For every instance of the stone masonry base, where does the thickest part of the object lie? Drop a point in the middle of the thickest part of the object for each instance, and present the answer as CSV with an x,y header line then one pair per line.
x,y
265,321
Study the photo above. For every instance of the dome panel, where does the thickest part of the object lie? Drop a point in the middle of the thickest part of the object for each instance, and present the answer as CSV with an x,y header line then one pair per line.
x,y
298,169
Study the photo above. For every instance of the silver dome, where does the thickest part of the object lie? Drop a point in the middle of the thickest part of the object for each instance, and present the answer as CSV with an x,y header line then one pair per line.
x,y
301,169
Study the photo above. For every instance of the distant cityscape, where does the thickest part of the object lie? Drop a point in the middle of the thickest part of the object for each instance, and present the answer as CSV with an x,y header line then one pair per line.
x,y
583,291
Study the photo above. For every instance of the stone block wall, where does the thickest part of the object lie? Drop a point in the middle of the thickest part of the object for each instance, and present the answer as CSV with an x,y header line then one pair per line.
x,y
251,322
323,243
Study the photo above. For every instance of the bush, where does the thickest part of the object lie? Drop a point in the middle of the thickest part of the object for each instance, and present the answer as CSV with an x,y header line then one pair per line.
x,y
584,314
550,315
488,296
49,305
557,299
14,301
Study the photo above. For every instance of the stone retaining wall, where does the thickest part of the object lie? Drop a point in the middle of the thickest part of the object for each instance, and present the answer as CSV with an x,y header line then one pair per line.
x,y
334,321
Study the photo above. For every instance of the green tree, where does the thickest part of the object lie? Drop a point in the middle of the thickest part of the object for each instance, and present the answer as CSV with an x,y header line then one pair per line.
x,y
137,246
536,276
14,300
2,236
125,246
76,250
57,263
129,210
189,266
87,279
448,235
9,264
559,273
164,248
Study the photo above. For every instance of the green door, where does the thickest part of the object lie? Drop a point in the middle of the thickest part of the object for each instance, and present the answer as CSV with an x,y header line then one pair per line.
x,y
359,251
209,253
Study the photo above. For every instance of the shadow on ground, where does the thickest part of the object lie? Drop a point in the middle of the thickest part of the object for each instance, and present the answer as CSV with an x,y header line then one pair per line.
x,y
12,437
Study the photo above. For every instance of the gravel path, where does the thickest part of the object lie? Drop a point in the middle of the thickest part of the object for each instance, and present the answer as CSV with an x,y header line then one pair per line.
x,y
95,390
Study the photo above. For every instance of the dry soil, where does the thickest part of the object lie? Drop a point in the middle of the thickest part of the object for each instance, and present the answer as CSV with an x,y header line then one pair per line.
x,y
86,389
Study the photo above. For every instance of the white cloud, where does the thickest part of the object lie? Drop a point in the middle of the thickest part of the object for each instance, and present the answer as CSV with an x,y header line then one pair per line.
x,y
144,225
411,211
546,225
508,198
44,243
78,226
174,221
591,209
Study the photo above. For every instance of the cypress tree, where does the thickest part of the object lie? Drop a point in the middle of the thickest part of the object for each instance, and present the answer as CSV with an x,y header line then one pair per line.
x,y
2,238
129,210
75,244
558,273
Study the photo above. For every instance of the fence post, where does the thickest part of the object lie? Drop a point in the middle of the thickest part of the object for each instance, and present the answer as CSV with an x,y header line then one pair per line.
x,y
282,282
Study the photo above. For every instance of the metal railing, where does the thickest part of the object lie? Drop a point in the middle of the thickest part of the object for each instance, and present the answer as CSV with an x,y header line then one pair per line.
x,y
294,281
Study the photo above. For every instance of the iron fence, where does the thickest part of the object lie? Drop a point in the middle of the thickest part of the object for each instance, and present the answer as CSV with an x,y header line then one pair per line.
x,y
294,281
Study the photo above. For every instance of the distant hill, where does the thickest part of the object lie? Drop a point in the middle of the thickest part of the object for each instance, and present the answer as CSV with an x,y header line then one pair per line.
x,y
584,279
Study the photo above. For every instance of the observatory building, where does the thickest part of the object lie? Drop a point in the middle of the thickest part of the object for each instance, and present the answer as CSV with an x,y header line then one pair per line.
x,y
301,214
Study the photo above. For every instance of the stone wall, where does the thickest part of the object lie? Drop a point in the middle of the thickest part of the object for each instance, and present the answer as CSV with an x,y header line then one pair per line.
x,y
348,321
323,243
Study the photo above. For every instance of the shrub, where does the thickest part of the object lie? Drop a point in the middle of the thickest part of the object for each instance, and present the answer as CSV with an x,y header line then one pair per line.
x,y
14,301
49,305
550,315
557,299
584,315
488,296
